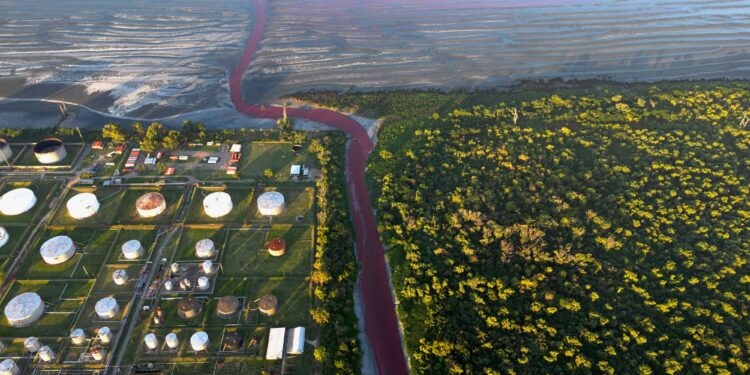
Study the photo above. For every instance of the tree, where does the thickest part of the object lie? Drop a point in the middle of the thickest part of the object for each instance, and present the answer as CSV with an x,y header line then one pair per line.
x,y
173,140
194,131
138,129
113,132
153,138
268,173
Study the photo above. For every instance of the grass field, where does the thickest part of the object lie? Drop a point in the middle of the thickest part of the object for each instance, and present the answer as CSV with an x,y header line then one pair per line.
x,y
109,201
249,256
93,246
28,158
127,213
17,239
190,236
299,202
145,236
276,156
242,198
42,189
105,283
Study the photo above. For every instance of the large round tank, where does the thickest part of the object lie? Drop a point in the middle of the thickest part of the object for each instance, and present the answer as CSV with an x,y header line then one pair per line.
x,y
24,309
107,308
227,307
120,277
58,250
4,236
199,341
217,204
5,151
17,201
32,344
9,367
152,343
50,151
132,249
150,204
205,248
188,308
82,205
172,341
105,335
271,203
78,336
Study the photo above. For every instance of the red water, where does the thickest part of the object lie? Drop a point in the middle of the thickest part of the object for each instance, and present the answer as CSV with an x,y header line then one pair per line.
x,y
381,324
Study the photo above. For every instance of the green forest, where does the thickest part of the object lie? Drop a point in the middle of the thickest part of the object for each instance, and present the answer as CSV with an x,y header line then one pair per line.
x,y
573,229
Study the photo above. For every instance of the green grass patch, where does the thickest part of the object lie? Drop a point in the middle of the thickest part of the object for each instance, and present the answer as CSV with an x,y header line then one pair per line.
x,y
276,156
105,284
127,213
293,293
299,203
242,198
244,249
248,255
147,237
17,239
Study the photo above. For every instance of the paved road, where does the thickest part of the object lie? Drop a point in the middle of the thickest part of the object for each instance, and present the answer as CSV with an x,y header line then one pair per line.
x,y
381,324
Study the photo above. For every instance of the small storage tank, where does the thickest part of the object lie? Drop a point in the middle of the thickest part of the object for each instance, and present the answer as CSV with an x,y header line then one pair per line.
x,y
9,367
172,341
203,283
120,277
205,248
98,353
150,205
105,335
24,309
227,307
174,267
78,337
168,285
58,250
271,203
276,247
232,341
46,354
268,305
152,343
50,151
107,308
188,308
17,201
132,249
4,236
217,204
32,344
199,341
208,267
82,206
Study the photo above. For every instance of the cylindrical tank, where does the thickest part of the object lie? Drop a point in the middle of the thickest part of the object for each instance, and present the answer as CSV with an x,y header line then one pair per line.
x,y
208,267
9,367
17,201
98,353
83,205
32,344
5,151
199,341
203,283
4,236
24,309
172,341
150,205
107,308
46,354
217,204
188,308
174,267
58,250
105,335
271,203
78,337
186,284
268,305
50,151
168,285
152,343
227,307
276,247
132,249
205,248
120,277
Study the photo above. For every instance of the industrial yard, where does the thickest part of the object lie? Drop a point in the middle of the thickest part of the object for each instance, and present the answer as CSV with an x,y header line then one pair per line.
x,y
116,259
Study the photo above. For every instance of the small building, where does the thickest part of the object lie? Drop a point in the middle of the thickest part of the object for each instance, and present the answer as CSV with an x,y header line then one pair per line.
x,y
232,170
235,157
183,157
97,145
297,341
213,160
119,150
275,349
169,171
236,147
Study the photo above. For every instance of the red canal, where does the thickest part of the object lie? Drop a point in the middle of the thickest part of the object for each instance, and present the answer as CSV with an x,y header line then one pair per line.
x,y
381,324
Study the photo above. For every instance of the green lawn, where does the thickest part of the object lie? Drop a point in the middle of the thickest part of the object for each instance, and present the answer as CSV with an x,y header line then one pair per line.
x,y
127,213
105,284
17,239
293,293
299,202
42,190
276,156
109,201
147,237
244,248
28,158
190,236
242,198
249,257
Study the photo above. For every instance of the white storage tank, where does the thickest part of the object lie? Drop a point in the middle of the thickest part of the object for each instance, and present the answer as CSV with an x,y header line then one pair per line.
x,y
50,151
152,343
9,367
24,309
120,277
46,354
17,201
205,248
82,206
199,341
217,204
78,336
172,341
98,353
203,283
5,151
58,250
208,267
150,204
4,236
105,335
107,308
32,344
168,285
132,249
174,267
271,203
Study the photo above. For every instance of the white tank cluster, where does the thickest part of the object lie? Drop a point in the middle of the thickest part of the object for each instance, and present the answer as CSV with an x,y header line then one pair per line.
x,y
107,308
105,335
50,151
132,249
58,250
217,204
24,309
82,206
120,277
150,205
4,236
205,248
172,341
199,341
5,151
9,367
17,201
78,336
271,203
